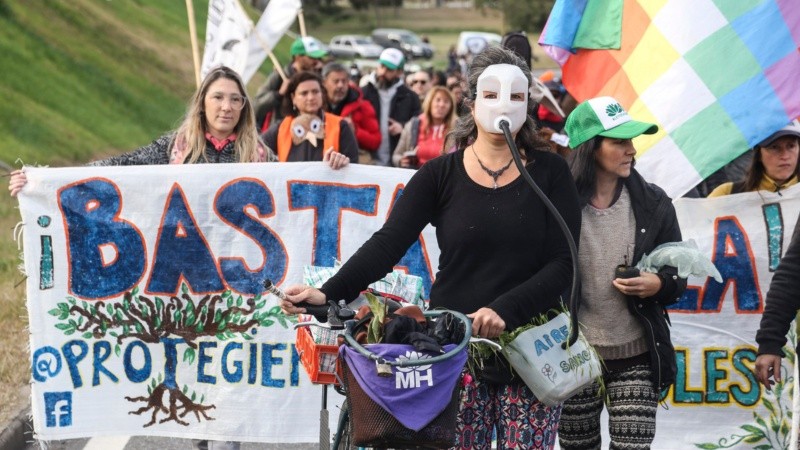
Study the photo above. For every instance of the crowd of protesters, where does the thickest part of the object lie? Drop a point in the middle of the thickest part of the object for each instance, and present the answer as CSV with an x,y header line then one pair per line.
x,y
318,109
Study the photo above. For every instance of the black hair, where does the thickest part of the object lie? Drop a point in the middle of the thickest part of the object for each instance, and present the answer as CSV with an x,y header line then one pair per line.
x,y
439,77
466,130
752,179
583,166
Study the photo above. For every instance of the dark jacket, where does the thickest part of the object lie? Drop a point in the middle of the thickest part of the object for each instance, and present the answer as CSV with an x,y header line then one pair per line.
x,y
782,302
267,102
404,106
656,224
368,133
158,152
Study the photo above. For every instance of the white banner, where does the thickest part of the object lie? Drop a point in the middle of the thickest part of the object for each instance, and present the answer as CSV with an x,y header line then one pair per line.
x,y
193,244
108,363
227,36
716,401
277,18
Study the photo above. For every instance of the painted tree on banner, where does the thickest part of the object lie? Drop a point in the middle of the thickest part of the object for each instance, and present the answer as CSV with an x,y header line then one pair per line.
x,y
179,319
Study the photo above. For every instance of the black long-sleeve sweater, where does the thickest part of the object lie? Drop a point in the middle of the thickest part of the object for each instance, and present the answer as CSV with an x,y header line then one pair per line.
x,y
783,301
500,248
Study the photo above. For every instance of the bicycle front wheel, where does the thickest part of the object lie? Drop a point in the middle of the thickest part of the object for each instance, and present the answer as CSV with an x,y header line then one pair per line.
x,y
343,439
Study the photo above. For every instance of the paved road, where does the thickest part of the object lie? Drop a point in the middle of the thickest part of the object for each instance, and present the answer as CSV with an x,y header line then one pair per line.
x,y
150,443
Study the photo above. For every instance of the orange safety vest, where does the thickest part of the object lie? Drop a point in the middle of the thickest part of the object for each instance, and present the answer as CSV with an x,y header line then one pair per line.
x,y
332,128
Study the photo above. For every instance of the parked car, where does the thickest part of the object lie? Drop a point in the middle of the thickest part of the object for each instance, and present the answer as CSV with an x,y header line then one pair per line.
x,y
472,42
405,40
354,46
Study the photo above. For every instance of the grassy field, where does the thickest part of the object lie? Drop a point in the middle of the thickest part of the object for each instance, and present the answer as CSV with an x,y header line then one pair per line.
x,y
70,86
14,371
83,78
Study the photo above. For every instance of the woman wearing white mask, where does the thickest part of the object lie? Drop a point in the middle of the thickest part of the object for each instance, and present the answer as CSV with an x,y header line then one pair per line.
x,y
503,257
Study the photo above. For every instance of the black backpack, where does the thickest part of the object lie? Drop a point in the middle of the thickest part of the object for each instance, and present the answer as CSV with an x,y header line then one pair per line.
x,y
414,131
517,42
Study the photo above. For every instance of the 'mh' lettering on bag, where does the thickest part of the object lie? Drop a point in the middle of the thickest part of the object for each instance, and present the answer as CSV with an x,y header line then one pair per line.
x,y
558,336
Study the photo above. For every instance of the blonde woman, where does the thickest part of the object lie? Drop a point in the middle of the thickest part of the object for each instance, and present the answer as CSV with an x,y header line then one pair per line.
x,y
423,137
219,127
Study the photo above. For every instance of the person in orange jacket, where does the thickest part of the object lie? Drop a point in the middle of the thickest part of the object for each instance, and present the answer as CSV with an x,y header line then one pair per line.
x,y
307,132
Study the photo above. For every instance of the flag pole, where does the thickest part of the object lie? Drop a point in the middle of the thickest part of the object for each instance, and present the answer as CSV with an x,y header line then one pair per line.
x,y
272,57
193,38
277,65
301,20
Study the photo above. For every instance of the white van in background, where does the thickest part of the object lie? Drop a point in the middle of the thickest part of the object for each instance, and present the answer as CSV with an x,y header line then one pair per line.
x,y
472,42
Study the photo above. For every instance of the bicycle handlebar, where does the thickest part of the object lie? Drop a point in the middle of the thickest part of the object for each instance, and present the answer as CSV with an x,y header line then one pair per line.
x,y
351,341
320,312
339,317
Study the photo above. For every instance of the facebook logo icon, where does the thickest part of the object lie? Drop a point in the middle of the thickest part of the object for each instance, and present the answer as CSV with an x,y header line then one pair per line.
x,y
58,408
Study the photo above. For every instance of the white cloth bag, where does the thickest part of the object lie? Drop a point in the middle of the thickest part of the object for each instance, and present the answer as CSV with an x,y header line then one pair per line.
x,y
553,374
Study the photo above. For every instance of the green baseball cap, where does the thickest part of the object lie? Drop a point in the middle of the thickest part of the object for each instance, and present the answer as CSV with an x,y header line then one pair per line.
x,y
603,116
308,46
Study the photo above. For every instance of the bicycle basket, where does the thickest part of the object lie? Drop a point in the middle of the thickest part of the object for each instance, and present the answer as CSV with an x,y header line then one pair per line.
x,y
372,425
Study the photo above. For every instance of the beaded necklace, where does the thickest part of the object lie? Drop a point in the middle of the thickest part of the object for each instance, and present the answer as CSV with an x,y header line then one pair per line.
x,y
495,174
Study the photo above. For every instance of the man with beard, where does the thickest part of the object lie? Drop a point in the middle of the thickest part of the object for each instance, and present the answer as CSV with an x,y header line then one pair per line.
x,y
394,103
307,54
346,100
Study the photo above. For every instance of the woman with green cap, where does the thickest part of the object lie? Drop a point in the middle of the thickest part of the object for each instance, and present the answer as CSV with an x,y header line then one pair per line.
x,y
622,311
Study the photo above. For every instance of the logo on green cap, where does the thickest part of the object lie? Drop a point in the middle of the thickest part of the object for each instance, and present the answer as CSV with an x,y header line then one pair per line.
x,y
614,109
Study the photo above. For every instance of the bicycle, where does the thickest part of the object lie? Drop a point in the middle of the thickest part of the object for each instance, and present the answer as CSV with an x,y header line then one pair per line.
x,y
337,317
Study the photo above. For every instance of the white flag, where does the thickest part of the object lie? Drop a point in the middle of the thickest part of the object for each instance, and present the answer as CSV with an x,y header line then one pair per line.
x,y
277,18
227,36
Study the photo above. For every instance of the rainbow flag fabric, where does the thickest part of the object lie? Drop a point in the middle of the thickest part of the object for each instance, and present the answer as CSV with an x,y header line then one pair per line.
x,y
717,76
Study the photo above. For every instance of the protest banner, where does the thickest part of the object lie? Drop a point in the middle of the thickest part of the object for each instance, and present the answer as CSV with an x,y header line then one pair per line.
x,y
146,316
144,290
716,401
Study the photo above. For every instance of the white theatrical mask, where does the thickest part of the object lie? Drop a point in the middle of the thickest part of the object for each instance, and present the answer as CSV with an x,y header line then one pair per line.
x,y
502,94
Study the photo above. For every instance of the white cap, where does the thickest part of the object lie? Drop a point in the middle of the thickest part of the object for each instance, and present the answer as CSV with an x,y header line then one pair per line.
x,y
793,129
392,58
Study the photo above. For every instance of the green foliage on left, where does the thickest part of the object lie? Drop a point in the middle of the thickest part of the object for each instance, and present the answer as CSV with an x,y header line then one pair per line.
x,y
86,77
